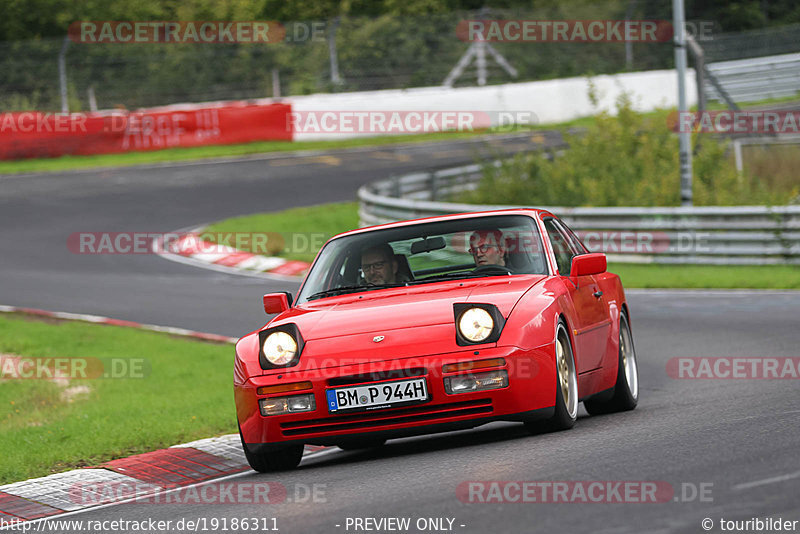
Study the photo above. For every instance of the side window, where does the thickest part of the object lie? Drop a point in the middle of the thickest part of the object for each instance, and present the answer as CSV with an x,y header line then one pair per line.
x,y
562,247
573,239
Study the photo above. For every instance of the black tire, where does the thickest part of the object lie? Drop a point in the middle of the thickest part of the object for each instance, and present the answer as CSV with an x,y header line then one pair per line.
x,y
626,388
566,406
274,460
360,444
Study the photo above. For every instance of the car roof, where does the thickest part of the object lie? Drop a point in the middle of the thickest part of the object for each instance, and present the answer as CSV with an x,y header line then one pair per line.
x,y
532,212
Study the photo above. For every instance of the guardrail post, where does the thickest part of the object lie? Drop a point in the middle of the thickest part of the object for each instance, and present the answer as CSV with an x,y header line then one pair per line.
x,y
434,186
396,186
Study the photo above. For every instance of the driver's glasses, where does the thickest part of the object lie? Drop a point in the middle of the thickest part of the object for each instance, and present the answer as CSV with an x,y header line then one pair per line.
x,y
483,249
378,265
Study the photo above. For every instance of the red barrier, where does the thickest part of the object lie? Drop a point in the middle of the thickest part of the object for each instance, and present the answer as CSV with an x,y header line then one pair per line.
x,y
35,134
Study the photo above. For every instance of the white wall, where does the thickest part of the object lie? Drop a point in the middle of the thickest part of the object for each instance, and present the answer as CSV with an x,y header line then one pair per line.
x,y
549,101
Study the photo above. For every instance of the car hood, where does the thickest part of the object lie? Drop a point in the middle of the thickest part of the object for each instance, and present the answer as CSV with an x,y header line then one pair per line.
x,y
402,307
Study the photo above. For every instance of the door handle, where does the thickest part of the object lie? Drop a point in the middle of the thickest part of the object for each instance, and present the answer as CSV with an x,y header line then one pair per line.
x,y
598,294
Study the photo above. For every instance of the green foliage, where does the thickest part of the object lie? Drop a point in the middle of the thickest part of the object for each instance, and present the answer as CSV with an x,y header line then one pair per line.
x,y
380,44
630,159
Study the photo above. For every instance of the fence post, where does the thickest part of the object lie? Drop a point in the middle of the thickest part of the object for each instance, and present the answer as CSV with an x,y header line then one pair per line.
x,y
336,79
62,75
685,141
92,98
700,71
737,155
276,84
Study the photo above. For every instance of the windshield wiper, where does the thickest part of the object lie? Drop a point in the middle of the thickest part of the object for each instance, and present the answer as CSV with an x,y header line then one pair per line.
x,y
461,274
353,289
445,276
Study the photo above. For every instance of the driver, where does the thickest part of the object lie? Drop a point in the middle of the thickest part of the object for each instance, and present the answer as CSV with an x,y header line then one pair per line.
x,y
488,247
379,265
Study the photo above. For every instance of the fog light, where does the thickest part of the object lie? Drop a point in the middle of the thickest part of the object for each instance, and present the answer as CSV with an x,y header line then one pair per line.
x,y
301,403
293,404
476,382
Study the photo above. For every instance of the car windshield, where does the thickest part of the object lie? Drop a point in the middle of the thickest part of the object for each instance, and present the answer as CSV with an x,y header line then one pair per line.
x,y
501,245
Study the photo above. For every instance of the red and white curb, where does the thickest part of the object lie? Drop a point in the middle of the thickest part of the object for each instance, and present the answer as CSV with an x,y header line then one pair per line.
x,y
126,479
145,474
191,249
117,322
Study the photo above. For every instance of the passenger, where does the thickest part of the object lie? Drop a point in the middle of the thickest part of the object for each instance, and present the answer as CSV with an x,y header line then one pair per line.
x,y
488,247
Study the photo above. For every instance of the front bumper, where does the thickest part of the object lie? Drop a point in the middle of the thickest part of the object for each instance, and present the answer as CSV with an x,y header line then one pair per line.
x,y
530,394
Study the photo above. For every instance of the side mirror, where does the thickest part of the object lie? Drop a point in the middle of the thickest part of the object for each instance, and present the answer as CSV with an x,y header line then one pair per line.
x,y
588,264
277,302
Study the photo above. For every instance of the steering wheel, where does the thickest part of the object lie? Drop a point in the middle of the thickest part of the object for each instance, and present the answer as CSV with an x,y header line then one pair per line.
x,y
491,268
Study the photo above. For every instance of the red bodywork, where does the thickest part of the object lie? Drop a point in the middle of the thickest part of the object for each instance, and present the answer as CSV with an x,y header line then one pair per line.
x,y
419,332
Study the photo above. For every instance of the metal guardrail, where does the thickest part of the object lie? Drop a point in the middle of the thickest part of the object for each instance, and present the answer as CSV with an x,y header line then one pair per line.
x,y
749,80
700,235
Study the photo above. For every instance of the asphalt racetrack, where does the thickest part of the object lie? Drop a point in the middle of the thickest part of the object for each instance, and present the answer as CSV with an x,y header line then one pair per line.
x,y
728,448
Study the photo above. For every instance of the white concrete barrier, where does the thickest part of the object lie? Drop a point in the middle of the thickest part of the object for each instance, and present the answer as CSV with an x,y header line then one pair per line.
x,y
543,102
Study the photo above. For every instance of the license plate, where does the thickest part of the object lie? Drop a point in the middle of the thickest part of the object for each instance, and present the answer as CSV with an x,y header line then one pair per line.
x,y
377,396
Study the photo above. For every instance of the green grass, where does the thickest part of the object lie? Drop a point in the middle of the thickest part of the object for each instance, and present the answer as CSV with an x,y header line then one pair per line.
x,y
637,275
331,219
186,394
295,234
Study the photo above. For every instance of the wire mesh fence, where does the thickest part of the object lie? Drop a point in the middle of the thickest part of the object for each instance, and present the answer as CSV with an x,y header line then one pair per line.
x,y
753,43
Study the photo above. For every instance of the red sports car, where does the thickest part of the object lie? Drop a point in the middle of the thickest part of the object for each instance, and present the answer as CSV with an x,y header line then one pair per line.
x,y
433,325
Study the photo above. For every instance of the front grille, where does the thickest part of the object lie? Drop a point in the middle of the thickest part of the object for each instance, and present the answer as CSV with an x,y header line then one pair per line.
x,y
377,376
373,420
